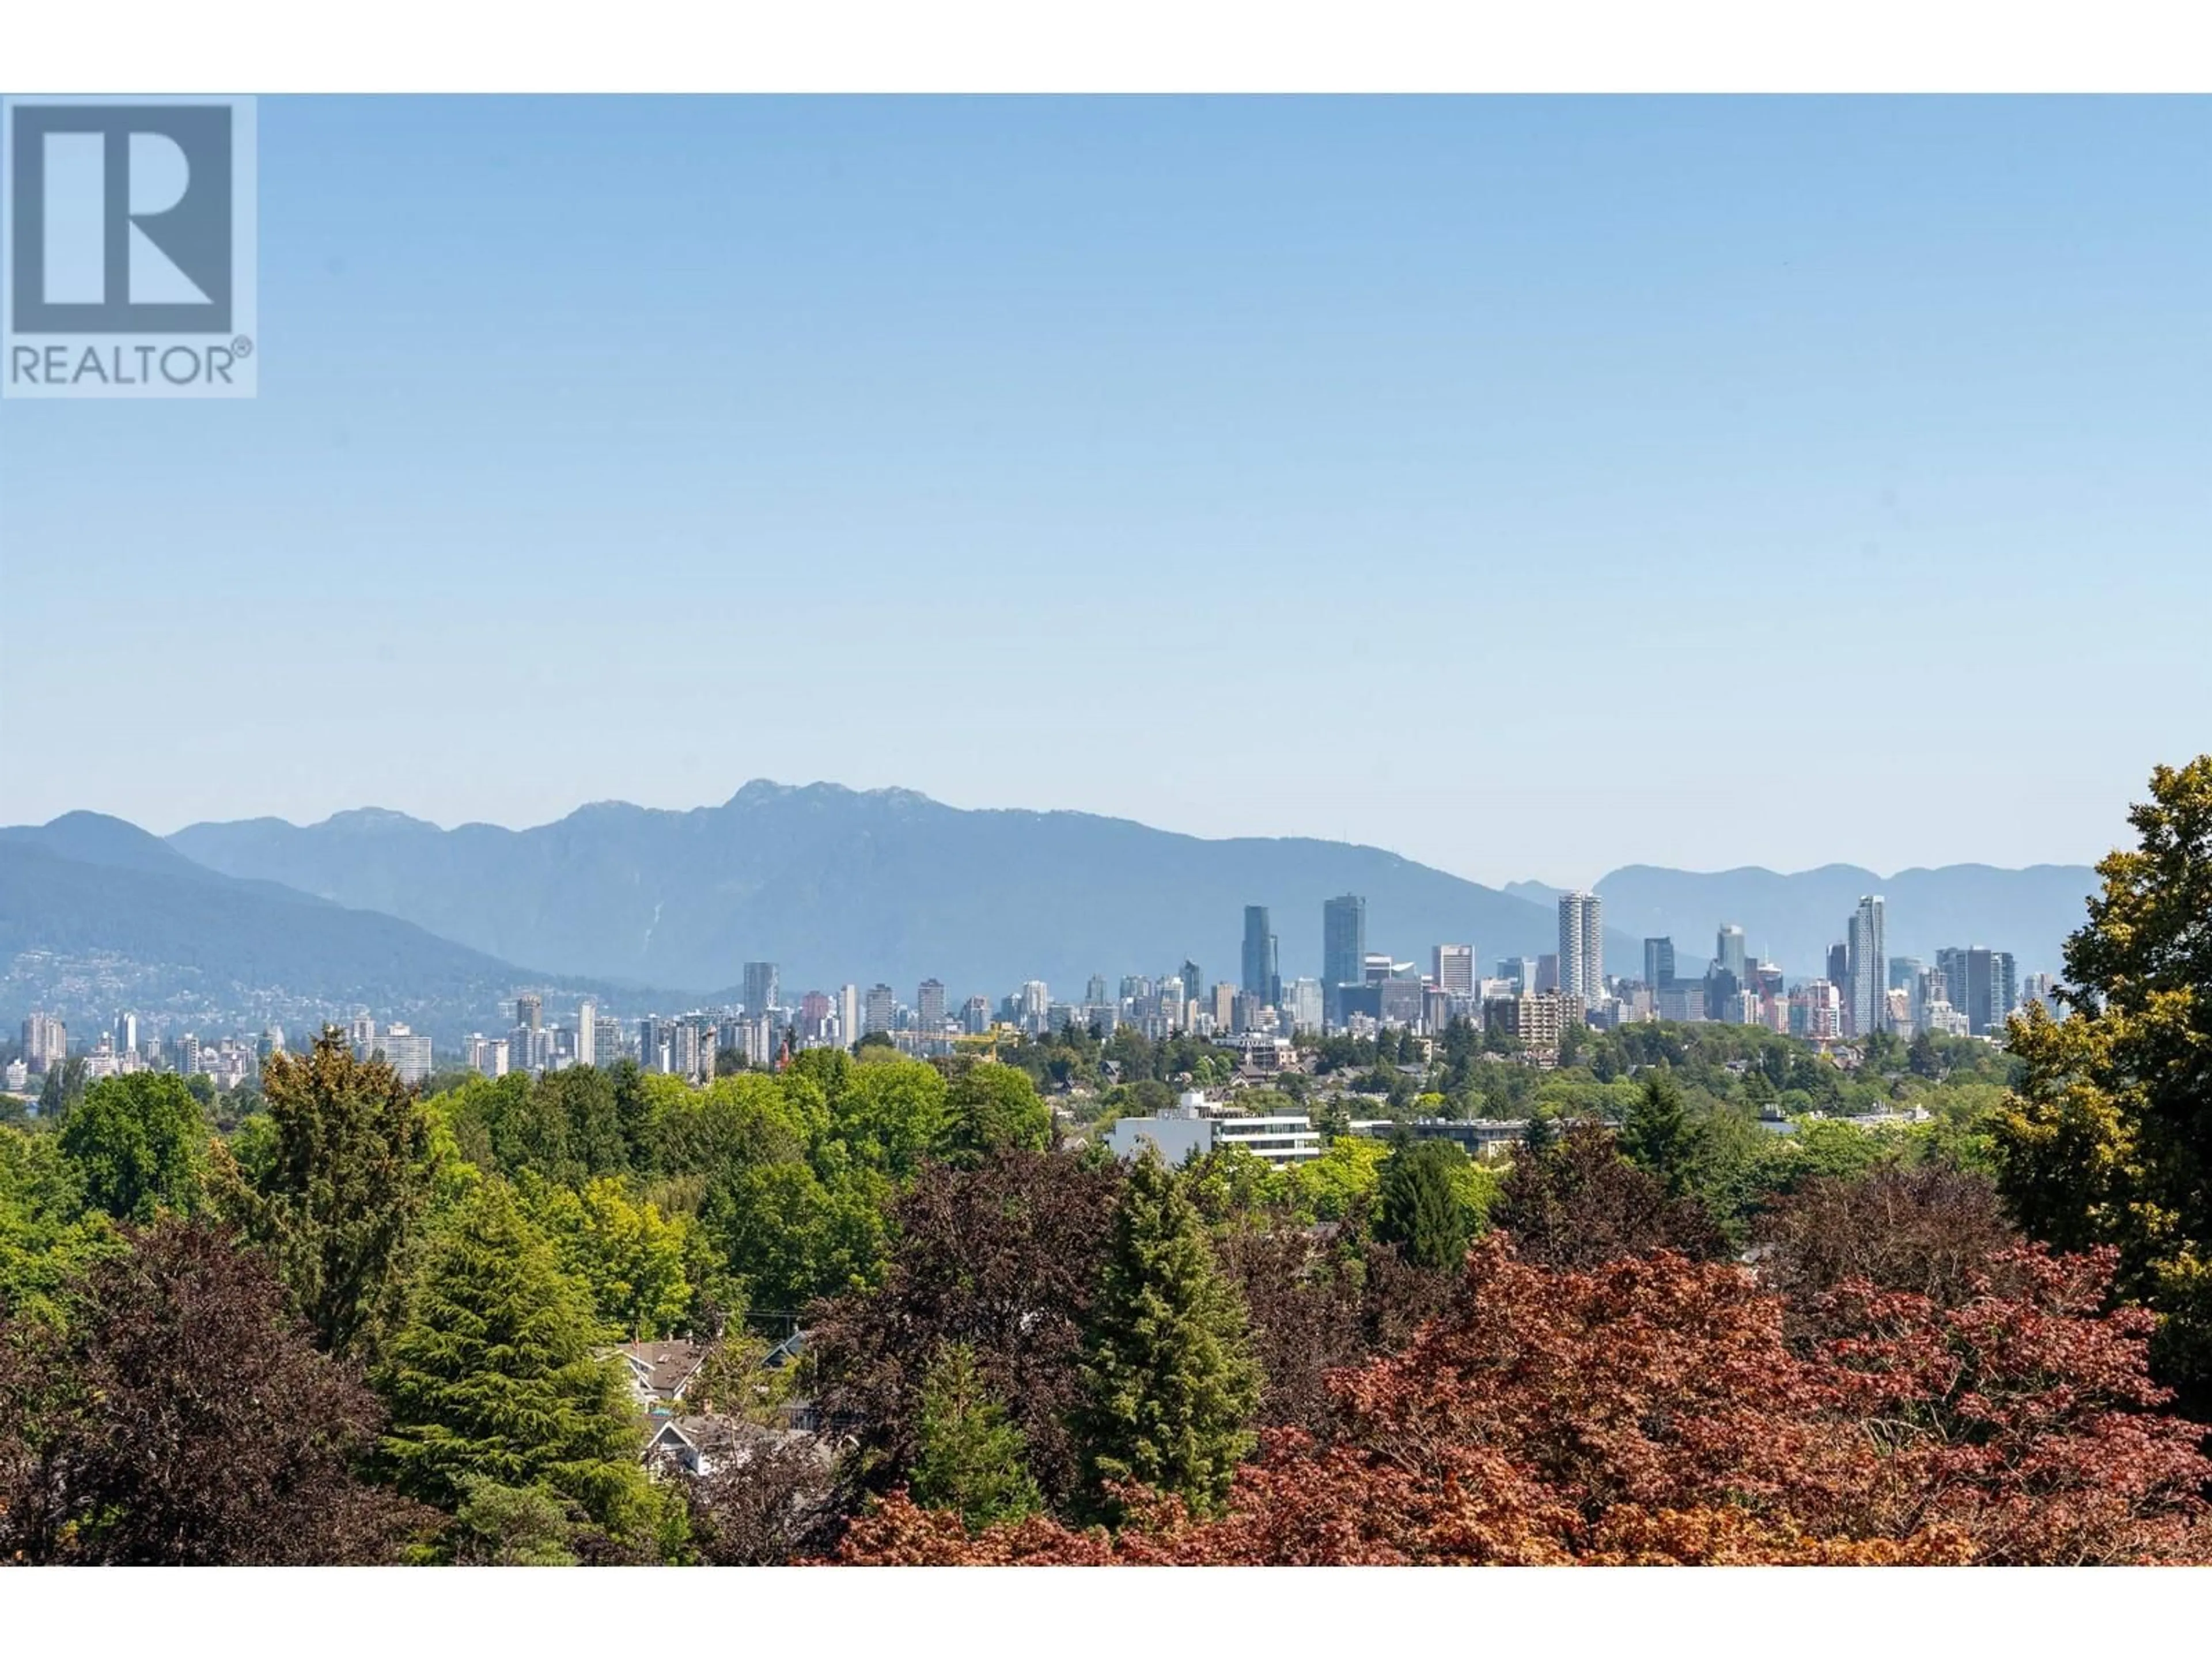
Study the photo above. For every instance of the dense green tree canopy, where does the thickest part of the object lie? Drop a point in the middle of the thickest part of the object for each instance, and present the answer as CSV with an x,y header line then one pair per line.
x,y
499,1374
1659,1138
629,1257
2109,1139
992,1108
139,1141
47,1237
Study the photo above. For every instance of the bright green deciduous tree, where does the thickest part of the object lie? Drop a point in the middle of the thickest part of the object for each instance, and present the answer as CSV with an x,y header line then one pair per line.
x,y
1331,1187
970,1459
139,1141
790,1236
498,1375
992,1108
45,1235
1170,1383
891,1111
627,1255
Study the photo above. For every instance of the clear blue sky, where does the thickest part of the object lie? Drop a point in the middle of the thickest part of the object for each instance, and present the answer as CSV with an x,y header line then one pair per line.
x,y
1530,486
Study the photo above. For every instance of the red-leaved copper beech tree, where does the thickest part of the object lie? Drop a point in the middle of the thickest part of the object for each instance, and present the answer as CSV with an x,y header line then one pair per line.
x,y
1654,1410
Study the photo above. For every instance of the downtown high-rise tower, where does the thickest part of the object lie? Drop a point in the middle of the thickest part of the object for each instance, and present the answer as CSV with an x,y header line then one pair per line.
x,y
1263,977
1582,946
1866,997
1343,949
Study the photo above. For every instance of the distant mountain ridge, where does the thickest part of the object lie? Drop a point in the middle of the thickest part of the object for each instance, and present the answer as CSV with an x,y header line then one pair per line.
x,y
373,906
835,884
96,915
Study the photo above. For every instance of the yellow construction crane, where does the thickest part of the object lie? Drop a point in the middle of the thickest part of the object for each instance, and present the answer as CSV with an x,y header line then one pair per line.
x,y
984,1045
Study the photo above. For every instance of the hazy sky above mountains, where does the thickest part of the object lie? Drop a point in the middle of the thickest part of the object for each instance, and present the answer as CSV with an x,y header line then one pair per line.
x,y
1528,487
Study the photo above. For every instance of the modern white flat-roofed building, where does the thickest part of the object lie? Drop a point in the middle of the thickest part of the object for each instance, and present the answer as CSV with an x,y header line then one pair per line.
x,y
1190,1128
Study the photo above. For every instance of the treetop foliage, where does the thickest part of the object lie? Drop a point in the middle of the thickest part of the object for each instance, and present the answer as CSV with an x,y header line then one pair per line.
x,y
1652,1410
499,1374
2108,1140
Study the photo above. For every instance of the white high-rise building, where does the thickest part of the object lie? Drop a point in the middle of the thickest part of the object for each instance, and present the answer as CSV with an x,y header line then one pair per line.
x,y
1036,1003
126,1034
587,1033
683,1057
406,1052
848,1014
487,1055
1582,946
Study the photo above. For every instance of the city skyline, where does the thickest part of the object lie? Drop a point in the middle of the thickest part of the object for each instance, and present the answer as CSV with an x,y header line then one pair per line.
x,y
1427,388
1365,958
1970,991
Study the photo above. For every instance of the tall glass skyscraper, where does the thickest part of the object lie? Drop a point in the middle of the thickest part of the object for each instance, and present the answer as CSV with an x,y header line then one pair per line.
x,y
1343,949
1981,984
761,990
1727,950
1866,998
1260,976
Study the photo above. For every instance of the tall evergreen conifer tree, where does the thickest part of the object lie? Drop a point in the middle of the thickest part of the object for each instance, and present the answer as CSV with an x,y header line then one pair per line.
x,y
1658,1137
338,1197
495,1376
1169,1381
971,1457
1421,1211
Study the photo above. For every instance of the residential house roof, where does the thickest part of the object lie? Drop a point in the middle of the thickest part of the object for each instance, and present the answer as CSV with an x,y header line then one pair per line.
x,y
661,1371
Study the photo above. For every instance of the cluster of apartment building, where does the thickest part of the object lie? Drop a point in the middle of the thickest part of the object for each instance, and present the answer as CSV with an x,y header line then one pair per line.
x,y
1970,991
119,1051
